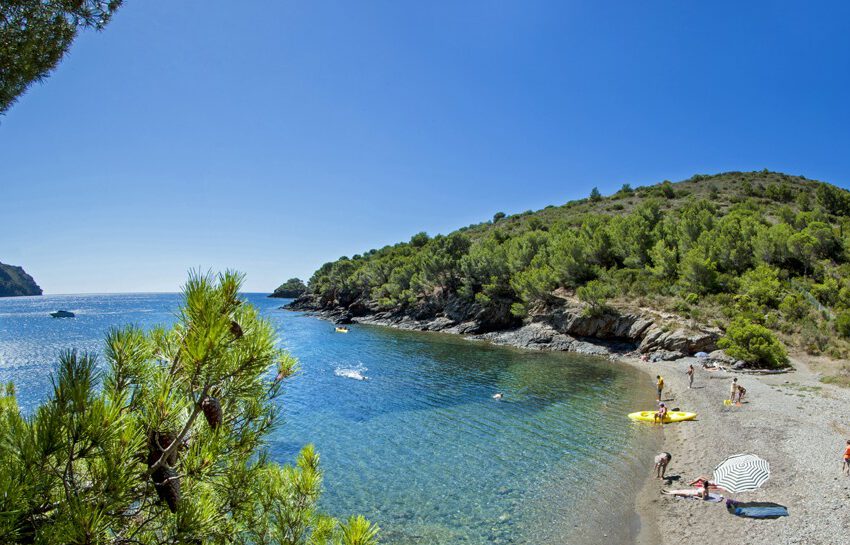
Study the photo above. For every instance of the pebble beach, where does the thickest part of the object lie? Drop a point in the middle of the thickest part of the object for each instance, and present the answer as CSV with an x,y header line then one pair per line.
x,y
795,422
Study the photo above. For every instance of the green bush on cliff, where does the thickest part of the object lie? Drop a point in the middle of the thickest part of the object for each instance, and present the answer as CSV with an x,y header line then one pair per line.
x,y
753,343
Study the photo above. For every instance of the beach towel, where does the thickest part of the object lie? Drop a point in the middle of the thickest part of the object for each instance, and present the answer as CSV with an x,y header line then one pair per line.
x,y
757,510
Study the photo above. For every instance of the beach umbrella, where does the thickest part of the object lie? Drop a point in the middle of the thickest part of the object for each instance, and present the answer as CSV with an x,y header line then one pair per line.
x,y
741,473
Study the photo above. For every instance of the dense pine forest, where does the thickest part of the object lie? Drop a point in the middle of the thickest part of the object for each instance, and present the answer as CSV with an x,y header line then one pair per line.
x,y
760,255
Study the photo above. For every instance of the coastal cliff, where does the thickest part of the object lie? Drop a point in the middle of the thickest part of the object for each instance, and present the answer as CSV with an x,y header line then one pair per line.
x,y
752,262
14,281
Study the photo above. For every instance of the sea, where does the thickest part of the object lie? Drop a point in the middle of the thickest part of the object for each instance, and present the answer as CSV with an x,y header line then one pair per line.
x,y
405,422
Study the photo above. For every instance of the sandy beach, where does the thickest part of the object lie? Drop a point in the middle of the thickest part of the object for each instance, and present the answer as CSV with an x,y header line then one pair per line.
x,y
798,424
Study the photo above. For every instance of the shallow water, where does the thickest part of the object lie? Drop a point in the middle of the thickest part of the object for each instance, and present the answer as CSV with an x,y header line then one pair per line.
x,y
405,422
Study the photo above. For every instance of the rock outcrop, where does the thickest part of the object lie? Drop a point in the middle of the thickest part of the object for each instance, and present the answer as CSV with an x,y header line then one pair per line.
x,y
14,281
565,328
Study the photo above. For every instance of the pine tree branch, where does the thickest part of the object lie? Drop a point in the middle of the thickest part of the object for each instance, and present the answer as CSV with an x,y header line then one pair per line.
x,y
179,439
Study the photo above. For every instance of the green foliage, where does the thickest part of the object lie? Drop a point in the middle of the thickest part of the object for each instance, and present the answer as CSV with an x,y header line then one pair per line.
x,y
595,293
762,285
753,343
498,216
842,324
165,444
734,253
595,195
36,34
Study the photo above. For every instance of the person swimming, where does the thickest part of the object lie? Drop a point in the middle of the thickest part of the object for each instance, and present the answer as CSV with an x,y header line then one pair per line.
x,y
498,395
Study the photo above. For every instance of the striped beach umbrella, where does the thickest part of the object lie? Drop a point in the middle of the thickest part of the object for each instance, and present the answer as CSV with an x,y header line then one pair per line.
x,y
741,473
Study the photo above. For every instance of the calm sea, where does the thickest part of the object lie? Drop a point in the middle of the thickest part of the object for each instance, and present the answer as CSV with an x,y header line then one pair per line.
x,y
420,447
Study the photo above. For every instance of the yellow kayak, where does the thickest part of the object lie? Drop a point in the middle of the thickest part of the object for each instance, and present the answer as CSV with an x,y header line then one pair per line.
x,y
342,330
671,416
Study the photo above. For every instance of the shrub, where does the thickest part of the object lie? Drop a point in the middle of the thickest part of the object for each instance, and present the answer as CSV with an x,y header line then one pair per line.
x,y
754,344
595,293
762,285
842,324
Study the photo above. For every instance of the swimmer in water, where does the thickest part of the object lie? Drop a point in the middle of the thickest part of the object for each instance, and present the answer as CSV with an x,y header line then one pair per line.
x,y
498,395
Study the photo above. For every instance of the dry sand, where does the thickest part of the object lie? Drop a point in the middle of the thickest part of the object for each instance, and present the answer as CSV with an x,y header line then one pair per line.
x,y
799,425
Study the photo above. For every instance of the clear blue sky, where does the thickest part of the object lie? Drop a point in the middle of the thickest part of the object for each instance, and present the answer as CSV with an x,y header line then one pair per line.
x,y
277,136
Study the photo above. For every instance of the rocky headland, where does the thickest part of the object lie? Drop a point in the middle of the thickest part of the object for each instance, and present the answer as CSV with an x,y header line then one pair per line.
x,y
14,282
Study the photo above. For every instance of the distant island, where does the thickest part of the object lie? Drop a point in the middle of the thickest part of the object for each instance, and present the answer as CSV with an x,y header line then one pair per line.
x,y
14,281
754,263
291,289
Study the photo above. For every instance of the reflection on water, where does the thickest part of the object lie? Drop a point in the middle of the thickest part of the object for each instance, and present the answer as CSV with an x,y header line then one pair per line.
x,y
420,445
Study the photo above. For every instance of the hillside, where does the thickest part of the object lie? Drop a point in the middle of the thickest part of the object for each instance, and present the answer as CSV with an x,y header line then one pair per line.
x,y
14,281
762,253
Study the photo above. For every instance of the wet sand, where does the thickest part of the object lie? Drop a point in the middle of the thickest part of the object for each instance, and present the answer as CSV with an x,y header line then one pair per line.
x,y
799,425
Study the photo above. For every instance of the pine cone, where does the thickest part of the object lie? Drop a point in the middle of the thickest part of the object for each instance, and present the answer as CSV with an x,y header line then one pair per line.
x,y
158,442
167,484
212,411
236,329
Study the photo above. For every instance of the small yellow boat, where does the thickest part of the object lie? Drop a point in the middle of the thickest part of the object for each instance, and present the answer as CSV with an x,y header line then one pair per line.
x,y
671,416
342,330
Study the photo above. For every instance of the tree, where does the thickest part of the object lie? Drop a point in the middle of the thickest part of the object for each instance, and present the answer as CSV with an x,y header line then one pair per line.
x,y
498,216
166,445
595,195
36,34
753,343
595,293
626,189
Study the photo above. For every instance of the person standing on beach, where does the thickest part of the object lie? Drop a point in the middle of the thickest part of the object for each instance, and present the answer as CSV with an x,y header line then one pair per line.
x,y
733,390
659,385
691,372
661,462
846,466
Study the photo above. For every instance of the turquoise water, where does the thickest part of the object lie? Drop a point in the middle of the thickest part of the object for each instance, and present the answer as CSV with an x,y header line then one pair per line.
x,y
420,446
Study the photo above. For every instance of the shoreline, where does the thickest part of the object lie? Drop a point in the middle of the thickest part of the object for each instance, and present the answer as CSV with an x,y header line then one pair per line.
x,y
792,420
798,424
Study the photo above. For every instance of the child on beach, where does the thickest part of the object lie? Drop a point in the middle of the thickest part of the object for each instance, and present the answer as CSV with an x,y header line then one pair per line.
x,y
659,386
846,466
661,461
733,390
690,373
662,412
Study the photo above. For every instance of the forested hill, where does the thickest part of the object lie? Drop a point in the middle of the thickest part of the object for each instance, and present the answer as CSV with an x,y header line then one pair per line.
x,y
15,281
761,248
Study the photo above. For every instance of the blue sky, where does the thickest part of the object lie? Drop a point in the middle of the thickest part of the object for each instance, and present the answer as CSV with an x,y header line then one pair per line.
x,y
281,135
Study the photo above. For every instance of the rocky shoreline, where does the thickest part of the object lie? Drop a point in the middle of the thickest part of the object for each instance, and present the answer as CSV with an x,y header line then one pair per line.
x,y
569,329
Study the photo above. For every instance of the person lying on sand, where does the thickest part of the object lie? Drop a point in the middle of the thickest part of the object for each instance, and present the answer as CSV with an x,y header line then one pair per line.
x,y
661,462
701,493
